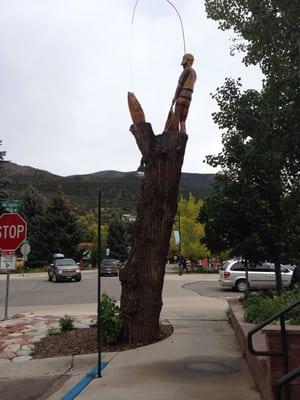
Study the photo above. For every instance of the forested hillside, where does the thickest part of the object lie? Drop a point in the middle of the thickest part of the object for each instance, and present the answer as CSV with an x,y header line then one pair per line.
x,y
120,189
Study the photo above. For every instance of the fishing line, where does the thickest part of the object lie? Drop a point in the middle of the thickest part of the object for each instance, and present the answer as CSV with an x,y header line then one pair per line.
x,y
181,24
131,35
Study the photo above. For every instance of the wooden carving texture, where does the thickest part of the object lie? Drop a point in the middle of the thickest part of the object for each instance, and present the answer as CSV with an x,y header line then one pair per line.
x,y
142,278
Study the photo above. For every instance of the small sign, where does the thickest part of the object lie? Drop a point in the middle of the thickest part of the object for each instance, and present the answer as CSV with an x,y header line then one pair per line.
x,y
7,252
25,249
107,251
11,206
8,263
177,237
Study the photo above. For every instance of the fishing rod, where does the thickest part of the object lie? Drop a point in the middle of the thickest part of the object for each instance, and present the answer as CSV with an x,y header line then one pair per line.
x,y
178,14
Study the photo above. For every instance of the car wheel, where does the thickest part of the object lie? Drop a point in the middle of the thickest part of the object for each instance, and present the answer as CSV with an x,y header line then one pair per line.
x,y
77,279
241,285
54,279
49,278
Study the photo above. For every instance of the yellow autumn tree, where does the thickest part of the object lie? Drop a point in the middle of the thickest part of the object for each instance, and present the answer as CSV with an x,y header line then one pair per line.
x,y
191,231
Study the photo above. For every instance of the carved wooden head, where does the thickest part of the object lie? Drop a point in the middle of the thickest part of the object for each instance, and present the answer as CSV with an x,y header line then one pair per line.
x,y
187,59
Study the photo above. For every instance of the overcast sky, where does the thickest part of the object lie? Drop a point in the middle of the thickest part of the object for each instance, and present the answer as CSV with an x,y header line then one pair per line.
x,y
67,65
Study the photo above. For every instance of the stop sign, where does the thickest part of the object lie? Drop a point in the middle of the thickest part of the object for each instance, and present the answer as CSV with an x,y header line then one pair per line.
x,y
13,230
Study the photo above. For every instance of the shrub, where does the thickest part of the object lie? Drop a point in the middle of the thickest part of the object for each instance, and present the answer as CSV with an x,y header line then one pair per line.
x,y
260,306
66,323
111,320
53,331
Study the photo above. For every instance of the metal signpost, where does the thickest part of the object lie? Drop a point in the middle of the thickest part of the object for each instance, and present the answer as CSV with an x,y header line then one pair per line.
x,y
8,263
99,336
13,231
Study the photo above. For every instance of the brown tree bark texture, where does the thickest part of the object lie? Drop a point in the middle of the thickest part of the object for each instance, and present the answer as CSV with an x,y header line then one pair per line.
x,y
142,278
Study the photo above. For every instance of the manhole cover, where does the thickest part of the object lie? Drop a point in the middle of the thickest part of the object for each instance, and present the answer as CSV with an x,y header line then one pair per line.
x,y
209,367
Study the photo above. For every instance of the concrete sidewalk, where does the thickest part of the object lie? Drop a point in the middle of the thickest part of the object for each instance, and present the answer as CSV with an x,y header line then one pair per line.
x,y
201,360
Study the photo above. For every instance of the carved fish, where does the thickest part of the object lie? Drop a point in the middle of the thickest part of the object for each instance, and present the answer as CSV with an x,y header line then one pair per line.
x,y
136,111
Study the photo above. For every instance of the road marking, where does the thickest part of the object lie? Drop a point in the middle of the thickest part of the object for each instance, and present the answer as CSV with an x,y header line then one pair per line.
x,y
78,388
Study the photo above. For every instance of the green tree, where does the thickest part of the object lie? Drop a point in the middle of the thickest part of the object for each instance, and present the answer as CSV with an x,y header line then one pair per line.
x,y
191,231
89,226
232,221
268,34
291,241
61,229
118,239
33,210
261,153
104,229
3,181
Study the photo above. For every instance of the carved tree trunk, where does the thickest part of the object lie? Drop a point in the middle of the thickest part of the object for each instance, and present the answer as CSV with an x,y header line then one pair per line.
x,y
142,279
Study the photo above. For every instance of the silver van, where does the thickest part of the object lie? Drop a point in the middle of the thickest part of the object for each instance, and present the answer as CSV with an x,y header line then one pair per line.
x,y
262,276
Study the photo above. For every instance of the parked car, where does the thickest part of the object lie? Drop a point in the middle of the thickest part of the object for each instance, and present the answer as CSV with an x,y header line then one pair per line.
x,y
110,266
291,266
56,256
262,276
64,269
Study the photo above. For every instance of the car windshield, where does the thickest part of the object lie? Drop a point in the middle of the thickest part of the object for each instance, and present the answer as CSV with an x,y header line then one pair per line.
x,y
109,261
65,262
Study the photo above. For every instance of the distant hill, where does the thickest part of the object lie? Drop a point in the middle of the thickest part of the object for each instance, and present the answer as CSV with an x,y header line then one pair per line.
x,y
120,189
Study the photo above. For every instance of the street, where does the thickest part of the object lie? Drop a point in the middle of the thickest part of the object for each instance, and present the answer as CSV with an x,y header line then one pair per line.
x,y
37,294
200,322
33,293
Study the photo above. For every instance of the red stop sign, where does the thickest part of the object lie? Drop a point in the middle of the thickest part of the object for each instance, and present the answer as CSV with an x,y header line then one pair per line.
x,y
13,230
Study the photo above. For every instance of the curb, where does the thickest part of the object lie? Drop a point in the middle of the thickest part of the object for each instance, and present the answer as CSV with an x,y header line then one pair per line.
x,y
50,366
82,384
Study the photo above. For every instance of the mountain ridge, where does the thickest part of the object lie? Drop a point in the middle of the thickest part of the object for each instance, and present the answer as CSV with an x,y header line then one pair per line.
x,y
120,189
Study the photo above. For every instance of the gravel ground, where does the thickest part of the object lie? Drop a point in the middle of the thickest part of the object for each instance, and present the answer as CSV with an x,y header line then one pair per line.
x,y
82,341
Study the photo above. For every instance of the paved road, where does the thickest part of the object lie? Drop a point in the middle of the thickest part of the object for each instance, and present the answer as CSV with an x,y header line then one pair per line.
x,y
210,289
35,293
36,290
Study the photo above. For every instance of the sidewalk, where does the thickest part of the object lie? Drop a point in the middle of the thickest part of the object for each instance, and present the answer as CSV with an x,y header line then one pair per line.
x,y
201,360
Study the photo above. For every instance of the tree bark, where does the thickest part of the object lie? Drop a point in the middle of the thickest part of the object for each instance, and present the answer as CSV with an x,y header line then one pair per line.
x,y
143,276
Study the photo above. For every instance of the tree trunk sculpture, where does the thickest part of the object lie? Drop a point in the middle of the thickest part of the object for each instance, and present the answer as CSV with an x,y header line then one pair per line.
x,y
143,276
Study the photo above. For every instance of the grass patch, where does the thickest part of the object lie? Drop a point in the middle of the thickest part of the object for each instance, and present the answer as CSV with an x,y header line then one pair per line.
x,y
28,270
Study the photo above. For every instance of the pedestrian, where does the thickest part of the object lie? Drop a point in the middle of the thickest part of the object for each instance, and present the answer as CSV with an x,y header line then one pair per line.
x,y
182,265
295,281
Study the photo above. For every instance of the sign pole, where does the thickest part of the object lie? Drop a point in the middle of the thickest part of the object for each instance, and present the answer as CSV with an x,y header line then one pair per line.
x,y
99,327
6,294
